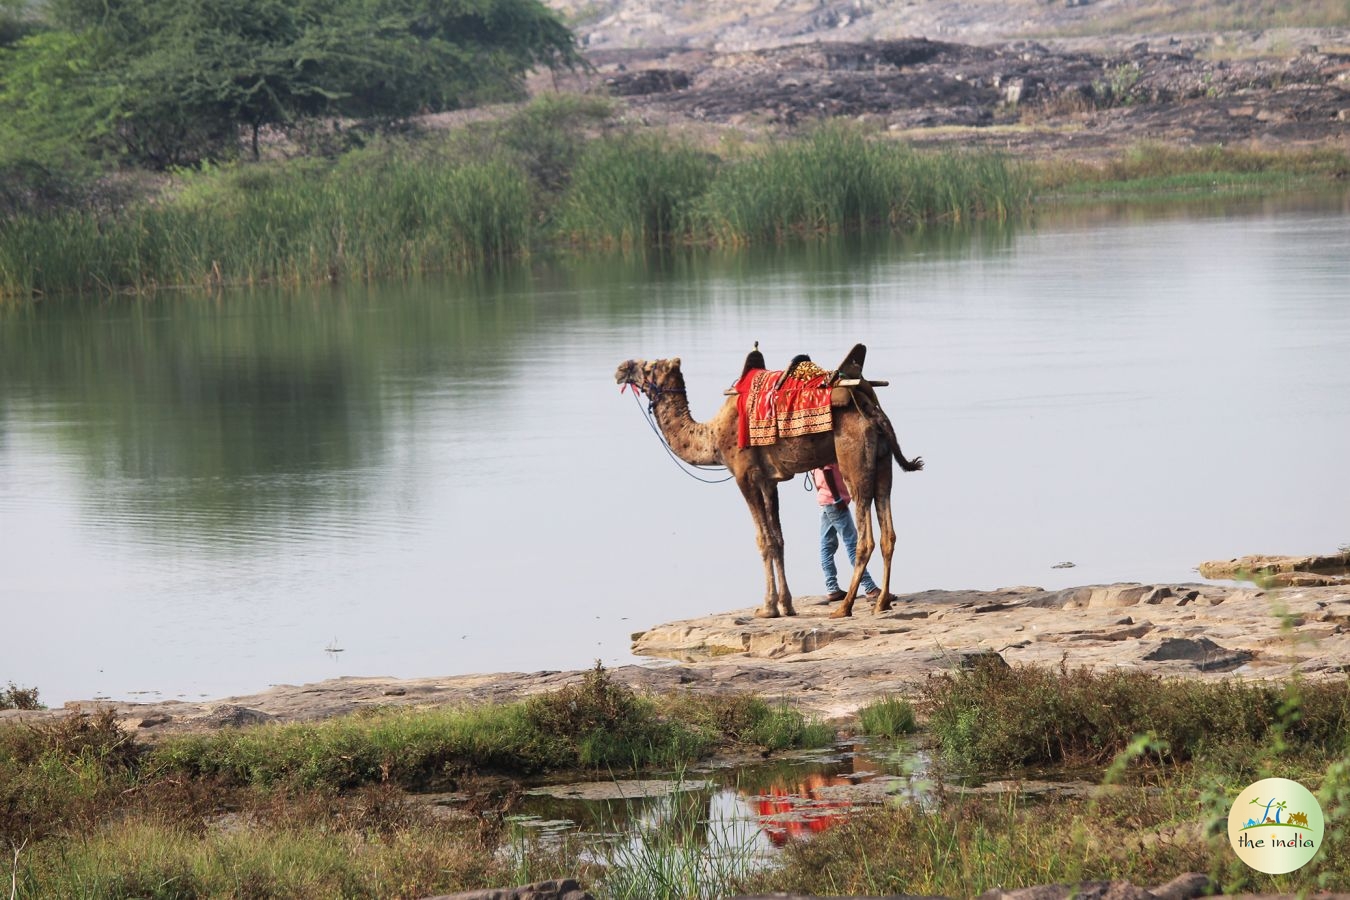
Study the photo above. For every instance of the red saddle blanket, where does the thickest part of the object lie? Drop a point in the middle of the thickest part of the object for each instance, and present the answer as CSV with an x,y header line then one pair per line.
x,y
765,414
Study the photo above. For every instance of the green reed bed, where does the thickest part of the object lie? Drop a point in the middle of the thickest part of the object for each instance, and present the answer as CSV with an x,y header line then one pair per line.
x,y
838,180
396,209
634,190
370,215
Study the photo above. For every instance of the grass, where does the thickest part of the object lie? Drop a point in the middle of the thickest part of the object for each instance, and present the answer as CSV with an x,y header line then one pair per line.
x,y
890,717
1218,15
681,854
1168,758
993,719
1150,168
562,174
1165,823
372,214
551,176
325,809
837,180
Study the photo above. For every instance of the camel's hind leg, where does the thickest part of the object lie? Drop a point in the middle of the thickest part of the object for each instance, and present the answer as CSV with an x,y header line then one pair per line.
x,y
886,525
858,471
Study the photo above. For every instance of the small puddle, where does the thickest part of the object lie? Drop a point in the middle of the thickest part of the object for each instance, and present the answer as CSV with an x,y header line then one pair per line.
x,y
736,814
761,804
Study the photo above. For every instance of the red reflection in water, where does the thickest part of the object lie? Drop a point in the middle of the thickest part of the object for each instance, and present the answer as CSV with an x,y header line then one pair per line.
x,y
797,810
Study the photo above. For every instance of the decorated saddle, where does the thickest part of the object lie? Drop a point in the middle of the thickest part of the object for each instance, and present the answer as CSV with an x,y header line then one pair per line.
x,y
782,404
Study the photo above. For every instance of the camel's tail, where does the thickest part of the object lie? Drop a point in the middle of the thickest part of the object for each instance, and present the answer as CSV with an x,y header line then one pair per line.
x,y
868,406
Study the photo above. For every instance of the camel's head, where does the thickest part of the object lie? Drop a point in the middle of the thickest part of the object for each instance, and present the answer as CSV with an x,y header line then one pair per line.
x,y
652,378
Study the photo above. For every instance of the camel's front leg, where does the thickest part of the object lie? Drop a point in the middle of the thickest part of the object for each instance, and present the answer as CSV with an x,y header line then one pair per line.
x,y
754,499
775,532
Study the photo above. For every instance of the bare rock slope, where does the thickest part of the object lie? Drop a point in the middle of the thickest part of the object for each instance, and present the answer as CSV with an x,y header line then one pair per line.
x,y
1011,75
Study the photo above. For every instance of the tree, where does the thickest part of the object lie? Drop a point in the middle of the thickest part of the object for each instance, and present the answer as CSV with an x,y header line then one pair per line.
x,y
176,80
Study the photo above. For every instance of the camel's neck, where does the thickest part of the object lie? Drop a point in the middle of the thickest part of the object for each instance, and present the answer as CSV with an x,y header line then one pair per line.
x,y
693,442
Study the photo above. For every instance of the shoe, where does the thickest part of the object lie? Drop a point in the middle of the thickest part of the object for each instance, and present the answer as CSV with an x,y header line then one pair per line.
x,y
875,592
835,596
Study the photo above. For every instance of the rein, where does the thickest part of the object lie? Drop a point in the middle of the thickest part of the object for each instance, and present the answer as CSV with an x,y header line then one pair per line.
x,y
653,392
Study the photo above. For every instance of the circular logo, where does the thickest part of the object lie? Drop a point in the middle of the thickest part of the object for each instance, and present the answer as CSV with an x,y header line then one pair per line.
x,y
1275,825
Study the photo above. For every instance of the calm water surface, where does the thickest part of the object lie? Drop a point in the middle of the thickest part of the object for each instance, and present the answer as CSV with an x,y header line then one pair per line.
x,y
206,495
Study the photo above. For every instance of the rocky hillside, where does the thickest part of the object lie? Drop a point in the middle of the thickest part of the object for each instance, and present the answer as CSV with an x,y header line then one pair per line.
x,y
1086,77
738,25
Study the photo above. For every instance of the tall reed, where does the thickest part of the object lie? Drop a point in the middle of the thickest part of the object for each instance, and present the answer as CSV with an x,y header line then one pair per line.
x,y
838,180
400,209
366,217
634,190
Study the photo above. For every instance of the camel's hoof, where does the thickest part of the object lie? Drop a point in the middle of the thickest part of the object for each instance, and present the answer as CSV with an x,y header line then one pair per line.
x,y
786,609
763,613
883,605
841,613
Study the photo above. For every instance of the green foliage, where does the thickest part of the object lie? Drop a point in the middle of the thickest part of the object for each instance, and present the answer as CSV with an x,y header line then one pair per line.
x,y
1153,167
890,717
991,718
63,772
634,190
167,83
15,697
16,22
548,136
382,211
677,856
838,180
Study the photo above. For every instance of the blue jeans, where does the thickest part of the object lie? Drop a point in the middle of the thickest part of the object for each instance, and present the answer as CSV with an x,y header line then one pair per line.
x,y
836,521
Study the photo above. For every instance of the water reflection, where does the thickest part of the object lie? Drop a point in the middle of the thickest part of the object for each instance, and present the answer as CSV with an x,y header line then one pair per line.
x,y
759,806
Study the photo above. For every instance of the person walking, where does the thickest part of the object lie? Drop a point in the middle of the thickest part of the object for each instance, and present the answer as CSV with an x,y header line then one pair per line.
x,y
836,521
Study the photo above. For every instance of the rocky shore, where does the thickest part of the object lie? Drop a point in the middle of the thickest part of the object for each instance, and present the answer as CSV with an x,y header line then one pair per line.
x,y
831,667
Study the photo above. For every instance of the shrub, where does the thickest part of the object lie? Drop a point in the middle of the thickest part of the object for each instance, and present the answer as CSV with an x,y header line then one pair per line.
x,y
992,717
15,697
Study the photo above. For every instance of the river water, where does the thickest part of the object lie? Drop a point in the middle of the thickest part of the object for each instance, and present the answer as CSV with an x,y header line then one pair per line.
x,y
203,495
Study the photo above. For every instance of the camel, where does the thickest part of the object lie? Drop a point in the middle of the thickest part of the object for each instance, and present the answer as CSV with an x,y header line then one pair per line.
x,y
862,442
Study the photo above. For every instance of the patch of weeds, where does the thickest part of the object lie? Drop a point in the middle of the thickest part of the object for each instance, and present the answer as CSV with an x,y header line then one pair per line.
x,y
992,719
890,716
785,728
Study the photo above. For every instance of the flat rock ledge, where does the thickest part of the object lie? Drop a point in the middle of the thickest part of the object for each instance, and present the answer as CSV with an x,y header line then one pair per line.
x,y
1178,630
1283,571
831,667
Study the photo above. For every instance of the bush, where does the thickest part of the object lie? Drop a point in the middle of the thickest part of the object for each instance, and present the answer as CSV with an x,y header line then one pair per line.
x,y
992,718
15,697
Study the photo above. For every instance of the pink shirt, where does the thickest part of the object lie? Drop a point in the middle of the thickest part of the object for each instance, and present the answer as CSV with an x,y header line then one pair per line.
x,y
823,495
